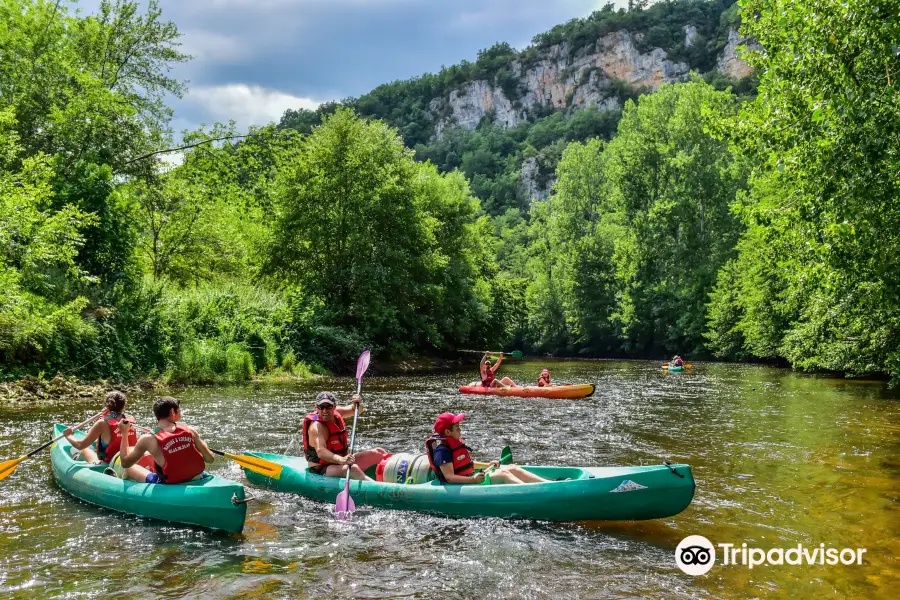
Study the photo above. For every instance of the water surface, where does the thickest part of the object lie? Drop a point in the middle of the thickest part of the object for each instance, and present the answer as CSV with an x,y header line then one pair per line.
x,y
780,458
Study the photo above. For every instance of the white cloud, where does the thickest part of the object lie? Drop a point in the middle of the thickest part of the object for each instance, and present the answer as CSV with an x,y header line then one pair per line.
x,y
246,105
211,47
172,159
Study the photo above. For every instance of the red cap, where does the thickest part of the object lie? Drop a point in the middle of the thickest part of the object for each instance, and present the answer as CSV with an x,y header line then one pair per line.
x,y
545,372
445,421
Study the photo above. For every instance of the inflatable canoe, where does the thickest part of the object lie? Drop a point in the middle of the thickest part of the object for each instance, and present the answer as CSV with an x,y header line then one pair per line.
x,y
213,502
533,391
675,369
583,493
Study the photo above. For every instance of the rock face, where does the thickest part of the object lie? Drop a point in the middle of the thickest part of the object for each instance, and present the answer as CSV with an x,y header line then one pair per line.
x,y
690,34
561,81
478,98
530,187
729,61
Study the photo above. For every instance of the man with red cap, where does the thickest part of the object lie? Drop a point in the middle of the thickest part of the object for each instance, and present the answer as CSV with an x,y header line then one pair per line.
x,y
451,462
544,379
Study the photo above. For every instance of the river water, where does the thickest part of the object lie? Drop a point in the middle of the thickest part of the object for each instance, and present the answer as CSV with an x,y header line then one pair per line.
x,y
780,459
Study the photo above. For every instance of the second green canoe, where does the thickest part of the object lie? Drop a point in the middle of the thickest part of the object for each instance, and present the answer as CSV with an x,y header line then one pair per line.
x,y
587,493
213,502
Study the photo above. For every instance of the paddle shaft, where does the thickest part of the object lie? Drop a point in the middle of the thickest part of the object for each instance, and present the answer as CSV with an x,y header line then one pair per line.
x,y
59,437
352,435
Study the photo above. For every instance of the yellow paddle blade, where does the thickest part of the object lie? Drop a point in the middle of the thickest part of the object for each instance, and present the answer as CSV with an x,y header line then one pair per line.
x,y
257,465
9,466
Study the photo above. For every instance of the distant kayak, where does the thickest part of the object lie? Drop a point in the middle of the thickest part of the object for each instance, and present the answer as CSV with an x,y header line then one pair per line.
x,y
587,493
533,391
675,369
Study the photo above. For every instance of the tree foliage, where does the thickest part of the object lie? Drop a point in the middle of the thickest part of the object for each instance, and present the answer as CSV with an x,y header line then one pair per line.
x,y
390,247
825,133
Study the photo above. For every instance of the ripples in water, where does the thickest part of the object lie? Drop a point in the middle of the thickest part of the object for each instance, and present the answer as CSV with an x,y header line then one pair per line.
x,y
779,458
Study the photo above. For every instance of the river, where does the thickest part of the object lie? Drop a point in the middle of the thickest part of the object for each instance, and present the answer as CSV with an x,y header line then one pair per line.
x,y
780,459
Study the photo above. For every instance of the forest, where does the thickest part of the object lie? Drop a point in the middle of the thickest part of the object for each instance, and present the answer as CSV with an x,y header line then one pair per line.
x,y
752,220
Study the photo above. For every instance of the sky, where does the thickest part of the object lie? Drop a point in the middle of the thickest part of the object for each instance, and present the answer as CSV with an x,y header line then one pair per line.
x,y
253,59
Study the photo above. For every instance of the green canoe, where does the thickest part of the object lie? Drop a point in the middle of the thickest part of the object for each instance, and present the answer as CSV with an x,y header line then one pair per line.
x,y
593,493
675,369
213,502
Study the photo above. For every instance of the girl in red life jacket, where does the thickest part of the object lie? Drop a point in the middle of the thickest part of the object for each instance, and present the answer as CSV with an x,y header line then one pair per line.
x,y
544,379
103,439
177,450
325,440
488,373
452,463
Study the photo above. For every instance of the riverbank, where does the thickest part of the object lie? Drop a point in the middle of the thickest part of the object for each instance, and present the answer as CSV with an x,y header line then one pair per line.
x,y
38,389
34,390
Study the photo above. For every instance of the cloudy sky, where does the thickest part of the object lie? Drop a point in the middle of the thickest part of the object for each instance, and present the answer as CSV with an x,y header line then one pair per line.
x,y
253,59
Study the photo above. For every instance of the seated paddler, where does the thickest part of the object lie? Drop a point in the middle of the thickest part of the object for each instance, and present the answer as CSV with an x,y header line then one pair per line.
x,y
326,440
452,462
179,454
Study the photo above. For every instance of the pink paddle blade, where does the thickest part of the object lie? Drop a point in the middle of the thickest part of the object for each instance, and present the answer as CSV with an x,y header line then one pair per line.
x,y
344,507
362,364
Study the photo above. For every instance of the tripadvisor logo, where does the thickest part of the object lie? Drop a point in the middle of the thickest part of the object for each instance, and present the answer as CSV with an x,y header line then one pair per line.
x,y
696,555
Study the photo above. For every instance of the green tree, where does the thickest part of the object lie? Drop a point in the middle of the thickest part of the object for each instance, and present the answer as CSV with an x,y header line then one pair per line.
x,y
390,247
38,250
674,184
825,132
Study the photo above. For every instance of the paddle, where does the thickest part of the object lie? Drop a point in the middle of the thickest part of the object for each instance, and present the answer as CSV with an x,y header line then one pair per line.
x,y
505,459
344,506
513,354
9,466
251,463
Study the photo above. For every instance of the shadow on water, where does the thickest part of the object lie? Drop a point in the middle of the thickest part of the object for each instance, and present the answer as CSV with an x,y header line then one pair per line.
x,y
780,458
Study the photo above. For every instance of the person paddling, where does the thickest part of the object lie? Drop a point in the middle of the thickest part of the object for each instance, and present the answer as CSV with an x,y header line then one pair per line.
x,y
325,440
452,462
488,373
544,379
677,361
178,452
104,439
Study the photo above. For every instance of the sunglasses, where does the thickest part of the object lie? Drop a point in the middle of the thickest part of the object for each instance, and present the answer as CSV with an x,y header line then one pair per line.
x,y
325,406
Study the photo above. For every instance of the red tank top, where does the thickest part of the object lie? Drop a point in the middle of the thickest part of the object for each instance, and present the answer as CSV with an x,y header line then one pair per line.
x,y
183,460
105,453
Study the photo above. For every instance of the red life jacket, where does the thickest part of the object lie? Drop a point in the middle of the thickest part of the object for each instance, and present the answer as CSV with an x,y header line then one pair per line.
x,y
489,378
183,460
462,460
541,382
106,452
337,437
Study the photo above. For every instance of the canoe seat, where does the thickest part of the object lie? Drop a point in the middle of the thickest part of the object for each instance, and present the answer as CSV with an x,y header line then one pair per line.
x,y
559,473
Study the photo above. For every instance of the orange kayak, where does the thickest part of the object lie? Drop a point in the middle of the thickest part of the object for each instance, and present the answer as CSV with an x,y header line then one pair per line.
x,y
533,391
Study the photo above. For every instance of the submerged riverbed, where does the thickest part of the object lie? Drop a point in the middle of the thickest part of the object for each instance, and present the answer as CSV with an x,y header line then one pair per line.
x,y
780,459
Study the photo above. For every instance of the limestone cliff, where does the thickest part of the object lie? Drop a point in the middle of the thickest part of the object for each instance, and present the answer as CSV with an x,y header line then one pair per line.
x,y
594,76
729,61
